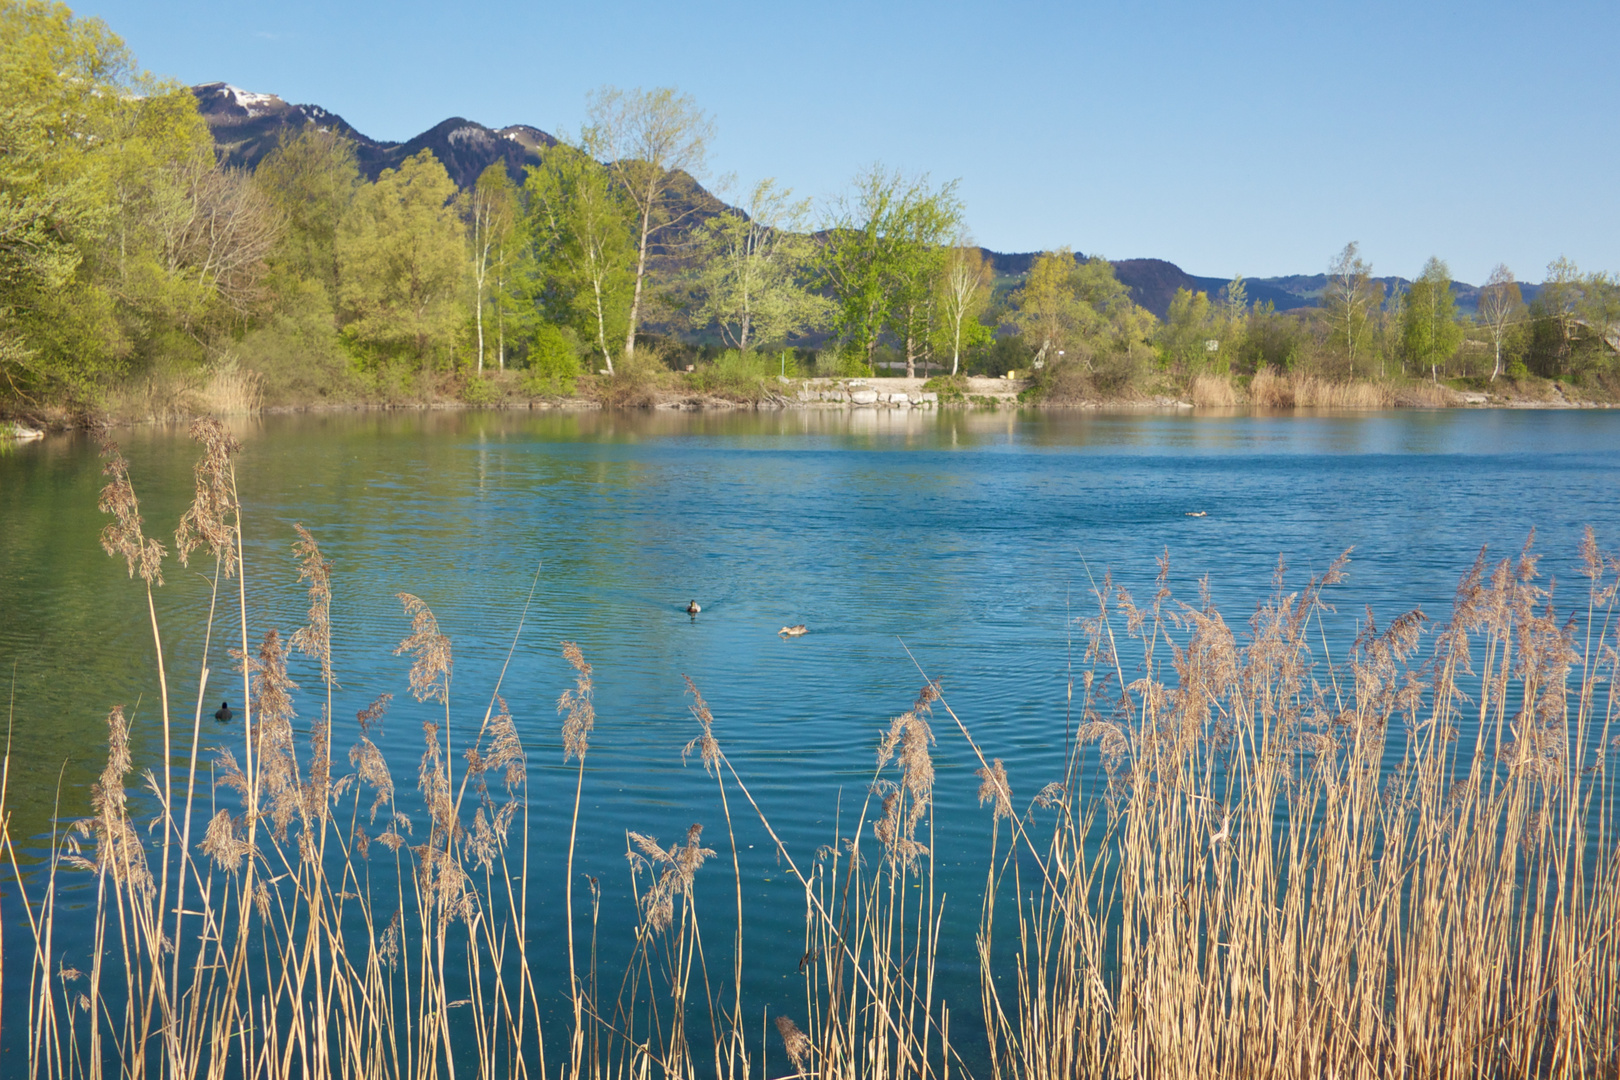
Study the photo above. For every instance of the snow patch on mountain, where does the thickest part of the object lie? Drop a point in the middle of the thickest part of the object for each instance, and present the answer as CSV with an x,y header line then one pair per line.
x,y
255,104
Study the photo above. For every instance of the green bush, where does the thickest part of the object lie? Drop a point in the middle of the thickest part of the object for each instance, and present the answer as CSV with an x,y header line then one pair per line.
x,y
948,387
298,354
478,390
554,354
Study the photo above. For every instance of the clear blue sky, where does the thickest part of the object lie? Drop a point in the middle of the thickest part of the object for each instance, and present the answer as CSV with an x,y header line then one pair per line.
x,y
1253,138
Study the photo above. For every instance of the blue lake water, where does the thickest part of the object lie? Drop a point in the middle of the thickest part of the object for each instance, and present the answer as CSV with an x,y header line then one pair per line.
x,y
960,543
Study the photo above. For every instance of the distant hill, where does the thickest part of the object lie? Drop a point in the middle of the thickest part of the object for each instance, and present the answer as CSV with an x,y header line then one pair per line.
x,y
247,126
1153,282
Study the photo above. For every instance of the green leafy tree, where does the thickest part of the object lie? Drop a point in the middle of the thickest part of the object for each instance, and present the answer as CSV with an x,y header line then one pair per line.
x,y
1048,308
55,75
1078,315
1271,340
921,229
119,236
880,259
400,253
310,178
1235,302
580,228
1431,333
1554,319
752,271
492,215
1190,324
1391,330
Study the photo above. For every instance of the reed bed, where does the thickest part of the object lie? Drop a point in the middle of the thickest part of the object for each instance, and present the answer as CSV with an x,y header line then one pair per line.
x,y
230,390
1213,391
1296,390
1257,860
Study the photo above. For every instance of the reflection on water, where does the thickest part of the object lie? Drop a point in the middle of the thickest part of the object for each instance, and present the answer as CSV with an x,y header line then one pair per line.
x,y
969,538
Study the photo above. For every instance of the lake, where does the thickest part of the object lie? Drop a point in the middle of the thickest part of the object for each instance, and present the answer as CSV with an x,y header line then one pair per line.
x,y
960,544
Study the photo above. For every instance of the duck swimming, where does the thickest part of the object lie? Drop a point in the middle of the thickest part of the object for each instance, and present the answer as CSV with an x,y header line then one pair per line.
x,y
692,607
223,712
793,631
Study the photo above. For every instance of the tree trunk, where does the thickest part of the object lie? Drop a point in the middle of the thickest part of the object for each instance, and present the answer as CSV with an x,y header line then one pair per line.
x,y
601,327
641,272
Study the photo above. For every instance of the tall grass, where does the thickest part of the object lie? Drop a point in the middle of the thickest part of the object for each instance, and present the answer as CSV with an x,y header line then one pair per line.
x,y
1257,859
1296,390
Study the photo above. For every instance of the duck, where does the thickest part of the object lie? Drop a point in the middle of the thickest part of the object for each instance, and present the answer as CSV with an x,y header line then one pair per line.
x,y
692,607
223,713
793,631
1197,513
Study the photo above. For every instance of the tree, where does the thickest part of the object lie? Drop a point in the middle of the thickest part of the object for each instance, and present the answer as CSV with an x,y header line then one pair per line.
x,y
580,229
119,234
1431,332
1500,304
751,269
310,178
1190,324
490,210
651,140
1049,311
1084,319
964,290
400,260
920,229
56,76
1349,301
1270,340
880,258
1235,301
1391,327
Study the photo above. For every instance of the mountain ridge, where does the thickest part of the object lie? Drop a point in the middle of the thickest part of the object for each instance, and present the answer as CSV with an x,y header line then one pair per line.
x,y
247,126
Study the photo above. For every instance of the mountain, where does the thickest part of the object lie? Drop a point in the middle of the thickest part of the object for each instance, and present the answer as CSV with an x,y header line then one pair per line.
x,y
247,126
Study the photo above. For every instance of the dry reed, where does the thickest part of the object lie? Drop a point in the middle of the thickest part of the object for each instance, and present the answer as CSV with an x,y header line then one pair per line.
x,y
1213,392
1296,390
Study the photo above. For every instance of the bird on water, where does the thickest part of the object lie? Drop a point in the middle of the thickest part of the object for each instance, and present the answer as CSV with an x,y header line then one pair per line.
x,y
793,631
223,712
692,607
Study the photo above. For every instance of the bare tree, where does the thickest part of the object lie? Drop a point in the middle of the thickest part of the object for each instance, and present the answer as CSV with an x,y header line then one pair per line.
x,y
217,237
966,288
649,139
1499,304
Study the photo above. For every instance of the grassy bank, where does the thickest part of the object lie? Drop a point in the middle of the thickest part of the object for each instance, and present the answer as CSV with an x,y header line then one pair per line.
x,y
1264,854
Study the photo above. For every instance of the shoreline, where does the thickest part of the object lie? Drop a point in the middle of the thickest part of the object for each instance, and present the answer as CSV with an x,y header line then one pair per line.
x,y
849,395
